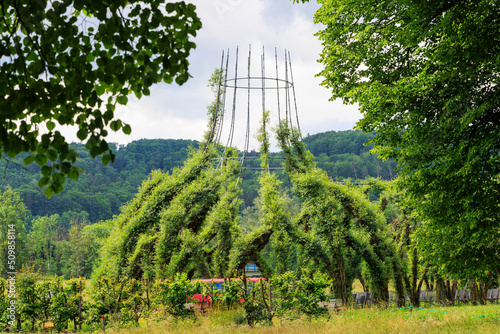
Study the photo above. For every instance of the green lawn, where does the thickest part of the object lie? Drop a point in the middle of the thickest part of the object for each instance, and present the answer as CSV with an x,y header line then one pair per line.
x,y
453,320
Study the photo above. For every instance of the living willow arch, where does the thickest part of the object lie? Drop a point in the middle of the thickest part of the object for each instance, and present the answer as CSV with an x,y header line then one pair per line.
x,y
338,227
276,227
187,221
183,221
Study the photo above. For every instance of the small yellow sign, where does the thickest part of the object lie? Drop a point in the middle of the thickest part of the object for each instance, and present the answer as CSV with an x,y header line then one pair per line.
x,y
49,325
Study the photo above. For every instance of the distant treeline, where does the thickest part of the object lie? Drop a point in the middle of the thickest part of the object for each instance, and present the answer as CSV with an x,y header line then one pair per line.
x,y
343,154
100,191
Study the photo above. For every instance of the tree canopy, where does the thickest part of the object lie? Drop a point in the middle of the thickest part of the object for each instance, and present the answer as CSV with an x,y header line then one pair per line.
x,y
70,62
426,76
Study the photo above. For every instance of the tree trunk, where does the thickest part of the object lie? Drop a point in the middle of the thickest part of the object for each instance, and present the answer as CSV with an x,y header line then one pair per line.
x,y
480,289
446,291
414,287
362,281
399,281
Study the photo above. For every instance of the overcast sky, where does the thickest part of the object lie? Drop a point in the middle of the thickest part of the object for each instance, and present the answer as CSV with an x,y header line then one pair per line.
x,y
179,112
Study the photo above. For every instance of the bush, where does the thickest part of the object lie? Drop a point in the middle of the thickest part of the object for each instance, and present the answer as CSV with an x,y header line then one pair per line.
x,y
176,294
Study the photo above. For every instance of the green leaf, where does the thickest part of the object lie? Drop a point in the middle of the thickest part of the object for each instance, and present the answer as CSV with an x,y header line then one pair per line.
x,y
58,189
65,167
33,56
106,159
127,129
110,107
82,134
46,170
115,125
52,155
43,182
40,159
122,99
49,191
99,90
61,76
73,173
50,125
58,179
28,160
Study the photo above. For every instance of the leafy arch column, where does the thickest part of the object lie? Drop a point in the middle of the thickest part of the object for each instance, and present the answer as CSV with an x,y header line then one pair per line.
x,y
342,225
276,222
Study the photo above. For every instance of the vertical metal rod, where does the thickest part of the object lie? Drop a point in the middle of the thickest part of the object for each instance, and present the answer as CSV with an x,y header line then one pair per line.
x,y
226,81
287,100
277,83
223,110
233,113
247,134
263,70
293,91
247,139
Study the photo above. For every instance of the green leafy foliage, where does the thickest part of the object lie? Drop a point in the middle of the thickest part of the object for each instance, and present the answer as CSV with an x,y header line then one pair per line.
x,y
295,296
189,211
285,296
230,293
5,314
31,301
338,226
54,250
425,77
275,220
180,291
70,63
346,154
136,303
66,302
223,222
109,297
284,288
12,232
310,294
256,301
48,298
167,209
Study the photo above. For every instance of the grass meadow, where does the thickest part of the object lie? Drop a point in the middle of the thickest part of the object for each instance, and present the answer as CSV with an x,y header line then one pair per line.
x,y
453,320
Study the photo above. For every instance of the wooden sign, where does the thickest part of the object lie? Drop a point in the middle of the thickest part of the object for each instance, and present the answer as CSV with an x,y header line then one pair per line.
x,y
49,325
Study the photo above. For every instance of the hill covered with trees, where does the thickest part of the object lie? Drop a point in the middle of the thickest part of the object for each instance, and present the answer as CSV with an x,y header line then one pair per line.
x,y
343,154
101,191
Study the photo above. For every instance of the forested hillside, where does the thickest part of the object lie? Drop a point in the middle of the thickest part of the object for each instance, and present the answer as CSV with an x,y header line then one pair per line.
x,y
343,155
100,191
